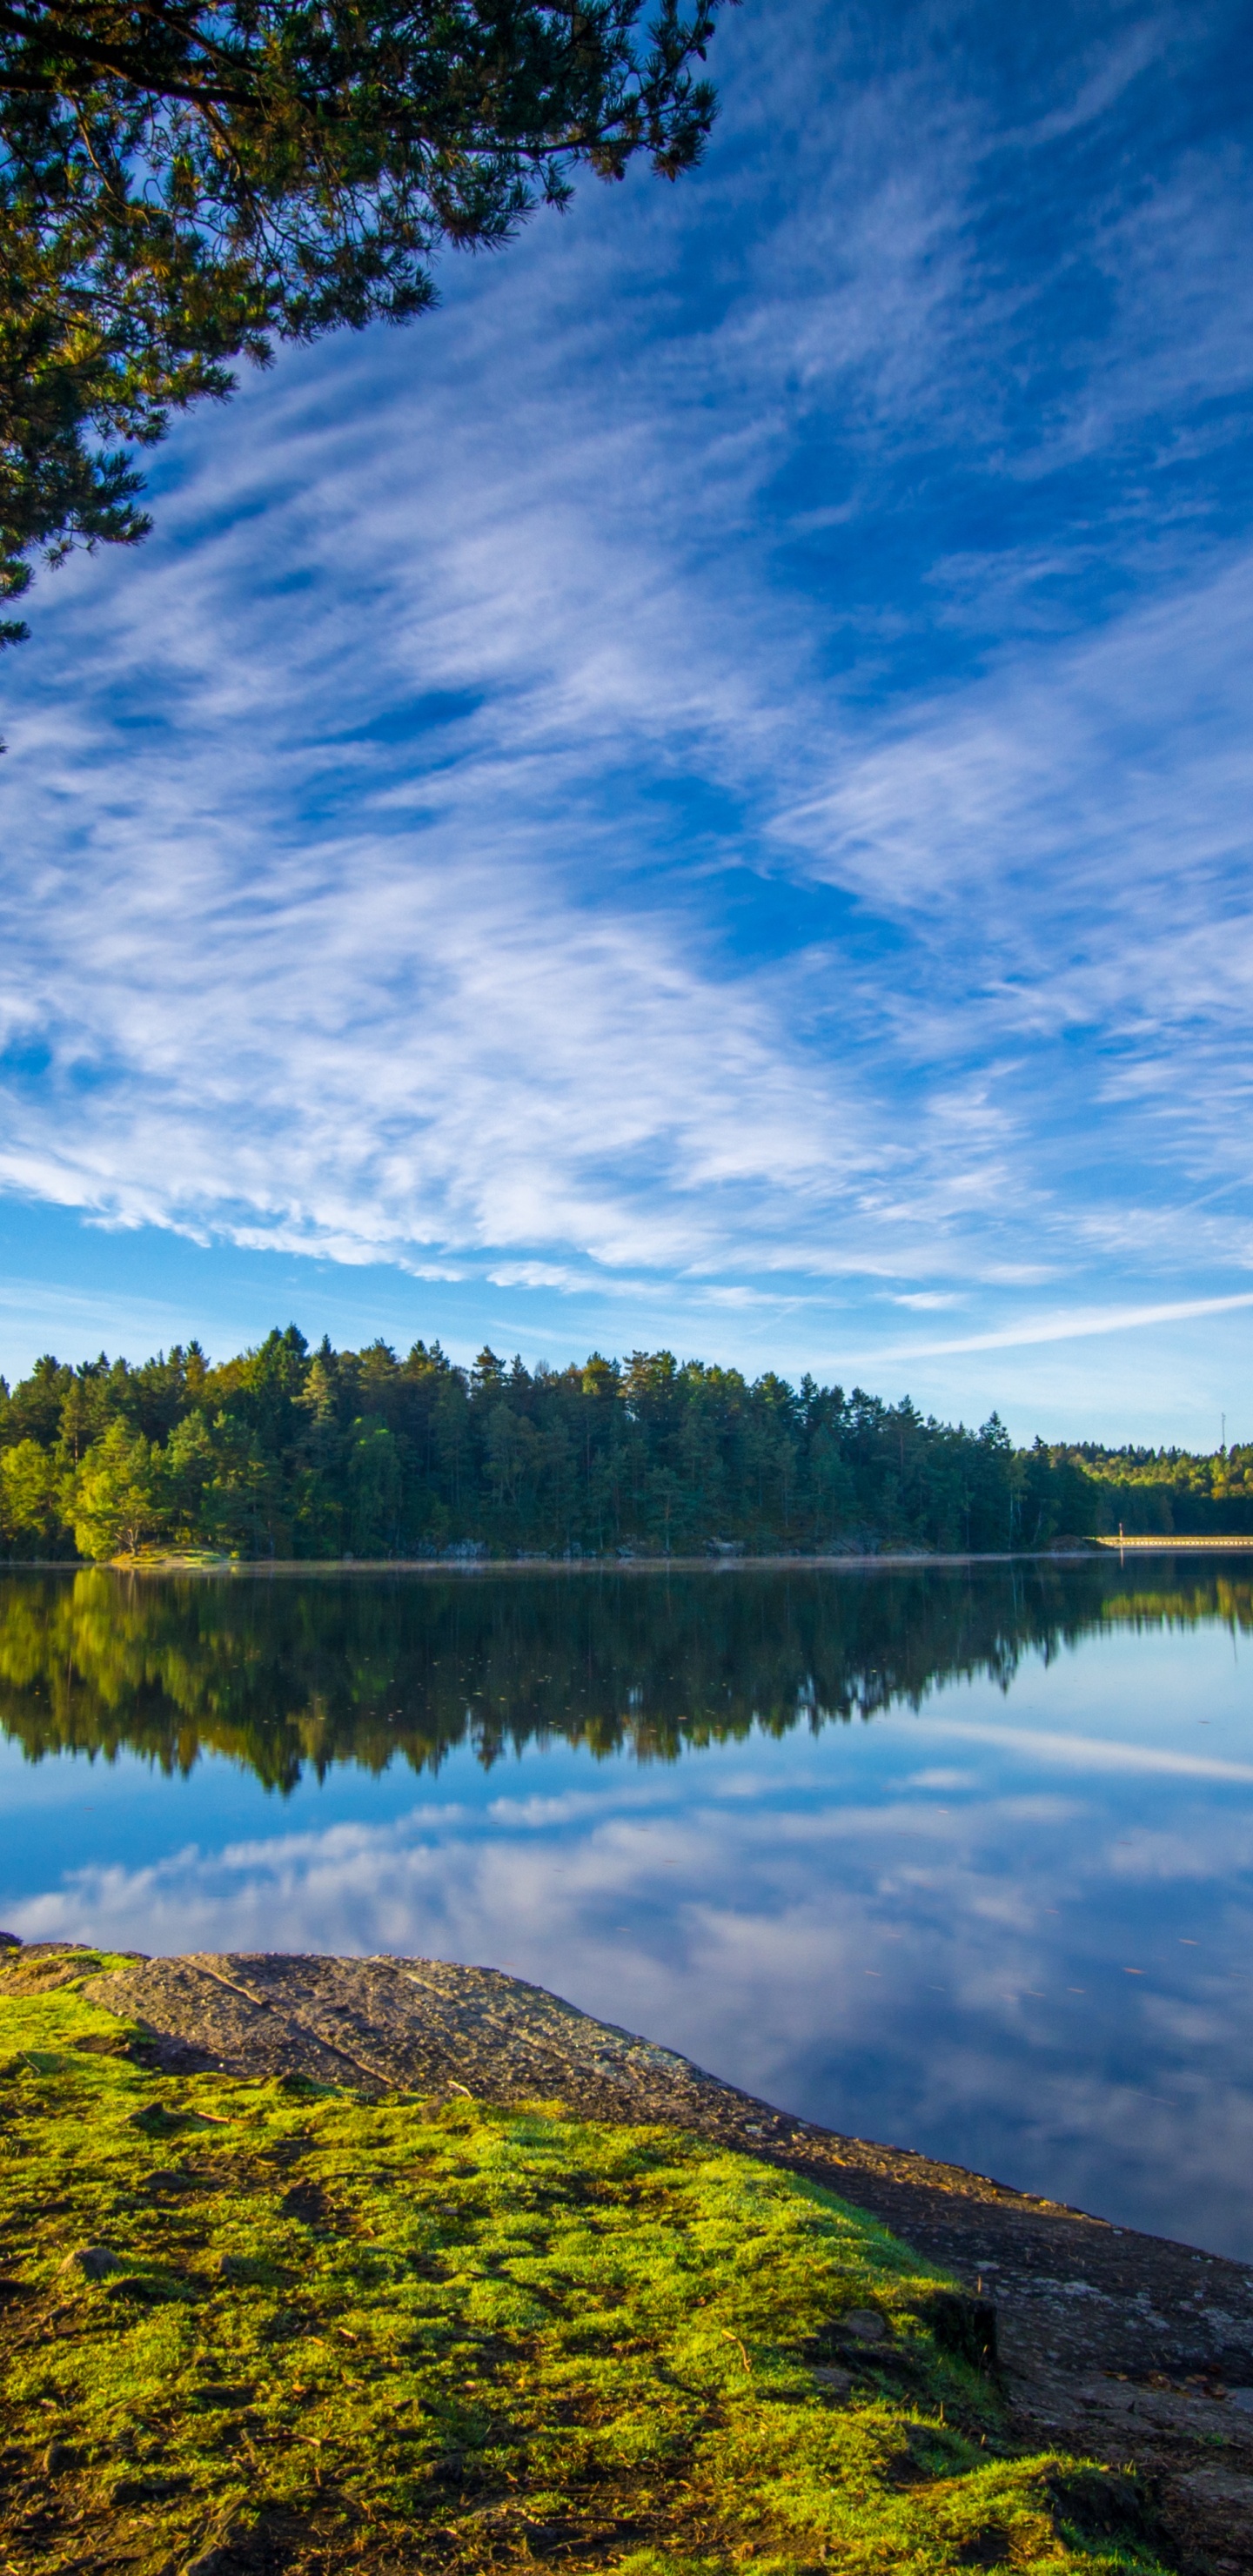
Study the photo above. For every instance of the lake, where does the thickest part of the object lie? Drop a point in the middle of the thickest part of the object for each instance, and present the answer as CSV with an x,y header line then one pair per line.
x,y
956,1857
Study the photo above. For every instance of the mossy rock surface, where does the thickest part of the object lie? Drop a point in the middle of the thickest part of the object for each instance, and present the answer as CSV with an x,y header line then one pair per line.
x,y
276,2324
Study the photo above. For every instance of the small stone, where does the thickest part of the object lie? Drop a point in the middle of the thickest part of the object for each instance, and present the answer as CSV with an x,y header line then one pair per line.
x,y
58,2456
866,2324
837,2383
92,2261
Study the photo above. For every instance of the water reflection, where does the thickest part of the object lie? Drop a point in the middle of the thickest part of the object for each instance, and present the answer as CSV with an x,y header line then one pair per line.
x,y
1007,1920
284,1675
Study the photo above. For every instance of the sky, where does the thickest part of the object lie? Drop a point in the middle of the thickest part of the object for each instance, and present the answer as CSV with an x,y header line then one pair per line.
x,y
699,795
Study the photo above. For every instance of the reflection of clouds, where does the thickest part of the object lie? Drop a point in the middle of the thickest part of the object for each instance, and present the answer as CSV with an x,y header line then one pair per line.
x,y
1181,1853
574,1804
885,1967
1186,2024
1090,1752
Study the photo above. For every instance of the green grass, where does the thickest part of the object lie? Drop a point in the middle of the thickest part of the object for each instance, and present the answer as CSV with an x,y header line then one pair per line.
x,y
406,2335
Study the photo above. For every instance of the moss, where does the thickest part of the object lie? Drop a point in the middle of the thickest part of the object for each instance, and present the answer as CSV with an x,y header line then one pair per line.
x,y
401,2333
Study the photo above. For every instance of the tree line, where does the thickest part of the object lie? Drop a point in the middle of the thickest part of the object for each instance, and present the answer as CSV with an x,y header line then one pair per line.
x,y
285,1452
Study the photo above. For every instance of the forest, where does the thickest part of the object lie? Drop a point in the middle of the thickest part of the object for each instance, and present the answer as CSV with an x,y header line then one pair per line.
x,y
284,1453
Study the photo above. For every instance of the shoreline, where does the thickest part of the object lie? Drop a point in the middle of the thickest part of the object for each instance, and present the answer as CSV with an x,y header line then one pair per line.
x,y
903,1560
1112,2345
1123,2346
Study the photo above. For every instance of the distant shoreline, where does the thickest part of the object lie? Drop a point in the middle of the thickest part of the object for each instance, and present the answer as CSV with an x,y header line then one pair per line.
x,y
906,1560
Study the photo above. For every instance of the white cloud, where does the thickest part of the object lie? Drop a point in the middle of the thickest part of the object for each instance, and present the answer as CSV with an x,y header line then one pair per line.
x,y
1076,1326
438,867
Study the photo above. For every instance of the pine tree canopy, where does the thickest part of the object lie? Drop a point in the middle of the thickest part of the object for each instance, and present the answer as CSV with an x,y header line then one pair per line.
x,y
181,185
283,1452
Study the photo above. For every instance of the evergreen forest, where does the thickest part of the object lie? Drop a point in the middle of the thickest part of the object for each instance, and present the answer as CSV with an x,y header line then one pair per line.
x,y
290,1453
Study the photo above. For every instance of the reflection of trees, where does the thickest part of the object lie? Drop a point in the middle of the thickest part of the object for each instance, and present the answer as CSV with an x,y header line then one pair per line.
x,y
282,1674
1181,1605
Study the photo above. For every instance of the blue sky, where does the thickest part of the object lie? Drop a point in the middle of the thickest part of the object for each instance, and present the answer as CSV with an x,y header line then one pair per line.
x,y
702,793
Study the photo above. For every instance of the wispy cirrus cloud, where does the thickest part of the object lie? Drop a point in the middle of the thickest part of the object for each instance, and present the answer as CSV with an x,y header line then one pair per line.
x,y
723,758
1074,1326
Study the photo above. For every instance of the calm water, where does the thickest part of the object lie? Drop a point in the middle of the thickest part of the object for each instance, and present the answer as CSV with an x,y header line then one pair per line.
x,y
956,1859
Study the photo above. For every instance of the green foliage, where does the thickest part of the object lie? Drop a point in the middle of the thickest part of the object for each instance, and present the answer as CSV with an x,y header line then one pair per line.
x,y
179,187
1169,1491
30,1493
116,1498
448,2336
282,1453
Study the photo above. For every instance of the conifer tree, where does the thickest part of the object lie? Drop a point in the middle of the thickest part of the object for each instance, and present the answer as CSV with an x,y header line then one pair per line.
x,y
183,182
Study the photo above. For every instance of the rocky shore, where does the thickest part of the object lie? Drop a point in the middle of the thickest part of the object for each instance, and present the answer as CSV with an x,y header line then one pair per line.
x,y
1127,2348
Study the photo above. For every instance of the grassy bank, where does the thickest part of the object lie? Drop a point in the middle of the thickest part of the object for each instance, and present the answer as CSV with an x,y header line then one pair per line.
x,y
258,2323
